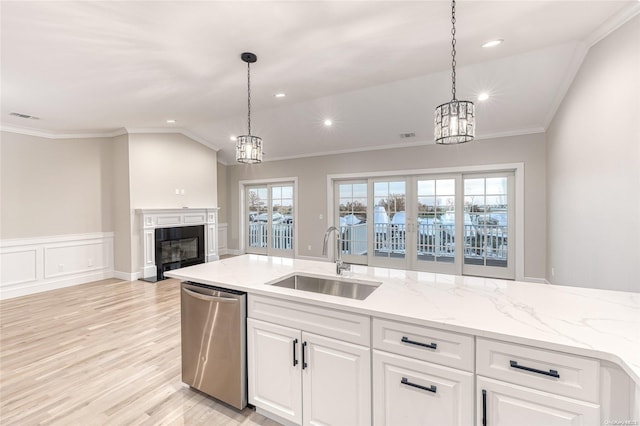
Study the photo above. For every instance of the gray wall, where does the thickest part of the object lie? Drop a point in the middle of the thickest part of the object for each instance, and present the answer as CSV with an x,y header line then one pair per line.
x,y
222,193
593,170
74,186
54,187
312,180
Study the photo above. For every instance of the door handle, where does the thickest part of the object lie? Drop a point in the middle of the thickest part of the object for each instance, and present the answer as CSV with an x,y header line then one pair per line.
x,y
304,361
406,381
413,342
552,373
295,360
209,298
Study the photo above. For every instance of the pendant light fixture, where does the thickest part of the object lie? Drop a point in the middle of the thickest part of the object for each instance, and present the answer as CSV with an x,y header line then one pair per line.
x,y
455,120
248,147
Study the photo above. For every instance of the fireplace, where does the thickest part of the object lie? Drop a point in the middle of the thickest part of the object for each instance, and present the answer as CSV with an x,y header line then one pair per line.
x,y
188,236
178,247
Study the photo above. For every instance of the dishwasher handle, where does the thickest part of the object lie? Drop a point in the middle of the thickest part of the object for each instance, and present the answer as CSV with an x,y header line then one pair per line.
x,y
210,298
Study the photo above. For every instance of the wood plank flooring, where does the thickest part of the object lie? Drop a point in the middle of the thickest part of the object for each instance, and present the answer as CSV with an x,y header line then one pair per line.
x,y
105,353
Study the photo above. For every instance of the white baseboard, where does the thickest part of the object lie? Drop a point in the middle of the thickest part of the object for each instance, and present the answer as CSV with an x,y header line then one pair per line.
x,y
32,265
536,280
127,276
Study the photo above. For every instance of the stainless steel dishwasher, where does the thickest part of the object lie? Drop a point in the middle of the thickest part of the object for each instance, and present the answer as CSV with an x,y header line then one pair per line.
x,y
213,330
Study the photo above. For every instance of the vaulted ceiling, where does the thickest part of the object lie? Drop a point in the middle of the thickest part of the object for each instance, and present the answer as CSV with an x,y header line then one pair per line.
x,y
375,68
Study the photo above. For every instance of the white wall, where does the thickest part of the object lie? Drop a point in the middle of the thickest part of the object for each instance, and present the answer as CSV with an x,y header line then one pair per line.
x,y
593,170
158,165
312,179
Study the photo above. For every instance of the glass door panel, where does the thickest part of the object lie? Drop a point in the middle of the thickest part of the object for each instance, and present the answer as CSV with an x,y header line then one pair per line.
x,y
389,223
282,220
487,203
352,216
270,219
257,219
436,222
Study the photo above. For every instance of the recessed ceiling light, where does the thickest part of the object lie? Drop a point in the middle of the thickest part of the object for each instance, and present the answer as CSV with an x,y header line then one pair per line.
x,y
171,121
493,43
483,96
232,138
280,95
328,122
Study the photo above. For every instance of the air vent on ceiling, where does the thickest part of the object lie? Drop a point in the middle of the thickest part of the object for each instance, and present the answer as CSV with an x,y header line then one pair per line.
x,y
17,114
407,135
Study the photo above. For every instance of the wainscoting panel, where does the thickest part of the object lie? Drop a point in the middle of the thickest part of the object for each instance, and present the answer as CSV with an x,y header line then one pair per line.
x,y
32,265
222,238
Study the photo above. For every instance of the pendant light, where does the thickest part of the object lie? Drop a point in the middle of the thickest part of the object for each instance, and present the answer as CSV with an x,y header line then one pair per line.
x,y
248,147
455,120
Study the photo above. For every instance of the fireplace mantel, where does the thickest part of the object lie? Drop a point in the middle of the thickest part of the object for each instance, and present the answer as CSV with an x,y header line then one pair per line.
x,y
170,218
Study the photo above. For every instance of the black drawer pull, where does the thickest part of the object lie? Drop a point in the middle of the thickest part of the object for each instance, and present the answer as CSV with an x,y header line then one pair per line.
x,y
304,361
413,342
552,373
406,381
484,407
295,360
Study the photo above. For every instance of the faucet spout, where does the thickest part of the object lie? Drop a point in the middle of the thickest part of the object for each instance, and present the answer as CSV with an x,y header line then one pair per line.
x,y
337,255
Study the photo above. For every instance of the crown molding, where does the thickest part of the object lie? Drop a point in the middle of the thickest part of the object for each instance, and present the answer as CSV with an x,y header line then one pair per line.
x,y
496,135
54,135
106,134
612,24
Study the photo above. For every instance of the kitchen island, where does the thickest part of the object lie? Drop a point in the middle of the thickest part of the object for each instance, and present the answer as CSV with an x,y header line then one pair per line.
x,y
593,334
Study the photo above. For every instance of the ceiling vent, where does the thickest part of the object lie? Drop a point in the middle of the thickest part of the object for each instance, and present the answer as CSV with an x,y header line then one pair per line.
x,y
407,135
17,114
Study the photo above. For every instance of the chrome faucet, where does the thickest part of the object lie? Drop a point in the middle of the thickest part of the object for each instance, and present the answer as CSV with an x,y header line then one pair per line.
x,y
337,256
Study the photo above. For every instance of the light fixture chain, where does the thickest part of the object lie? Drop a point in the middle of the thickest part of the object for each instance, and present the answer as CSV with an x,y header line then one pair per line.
x,y
249,97
453,48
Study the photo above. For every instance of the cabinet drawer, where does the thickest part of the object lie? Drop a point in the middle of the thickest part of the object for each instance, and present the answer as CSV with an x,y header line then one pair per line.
x,y
424,343
341,325
550,371
409,392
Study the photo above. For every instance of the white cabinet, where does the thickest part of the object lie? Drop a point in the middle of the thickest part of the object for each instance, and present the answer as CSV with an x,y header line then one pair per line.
x,y
408,390
303,377
506,404
274,369
336,382
522,385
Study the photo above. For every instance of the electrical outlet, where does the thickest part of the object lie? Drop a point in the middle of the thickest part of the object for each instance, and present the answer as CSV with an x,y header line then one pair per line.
x,y
182,192
60,267
320,217
553,272
309,247
177,191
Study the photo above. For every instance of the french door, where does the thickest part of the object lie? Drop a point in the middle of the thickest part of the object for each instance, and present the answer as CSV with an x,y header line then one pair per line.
x,y
270,219
448,223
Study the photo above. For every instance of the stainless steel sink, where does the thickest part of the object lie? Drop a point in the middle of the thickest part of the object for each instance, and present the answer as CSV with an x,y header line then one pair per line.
x,y
336,287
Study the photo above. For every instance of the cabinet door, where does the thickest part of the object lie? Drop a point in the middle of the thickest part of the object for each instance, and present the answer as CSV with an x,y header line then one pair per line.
x,y
336,382
505,404
410,392
273,357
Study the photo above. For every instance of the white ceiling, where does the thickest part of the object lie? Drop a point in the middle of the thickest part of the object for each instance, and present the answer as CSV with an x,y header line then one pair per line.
x,y
376,68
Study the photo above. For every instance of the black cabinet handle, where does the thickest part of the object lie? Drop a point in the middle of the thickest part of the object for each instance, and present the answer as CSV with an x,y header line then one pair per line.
x,y
552,373
406,381
295,360
304,362
413,342
484,407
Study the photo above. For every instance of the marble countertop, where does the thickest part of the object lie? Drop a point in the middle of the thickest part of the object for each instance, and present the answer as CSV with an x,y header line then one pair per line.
x,y
596,323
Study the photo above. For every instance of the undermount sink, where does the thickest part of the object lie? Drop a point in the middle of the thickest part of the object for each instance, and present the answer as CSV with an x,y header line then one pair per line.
x,y
333,286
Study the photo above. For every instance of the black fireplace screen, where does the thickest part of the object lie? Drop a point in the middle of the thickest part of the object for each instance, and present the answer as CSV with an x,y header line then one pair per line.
x,y
178,247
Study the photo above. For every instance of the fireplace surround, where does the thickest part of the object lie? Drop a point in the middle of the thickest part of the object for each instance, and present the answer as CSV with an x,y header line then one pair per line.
x,y
166,228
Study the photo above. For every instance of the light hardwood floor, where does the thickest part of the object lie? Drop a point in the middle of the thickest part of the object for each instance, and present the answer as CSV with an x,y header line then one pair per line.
x,y
105,353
